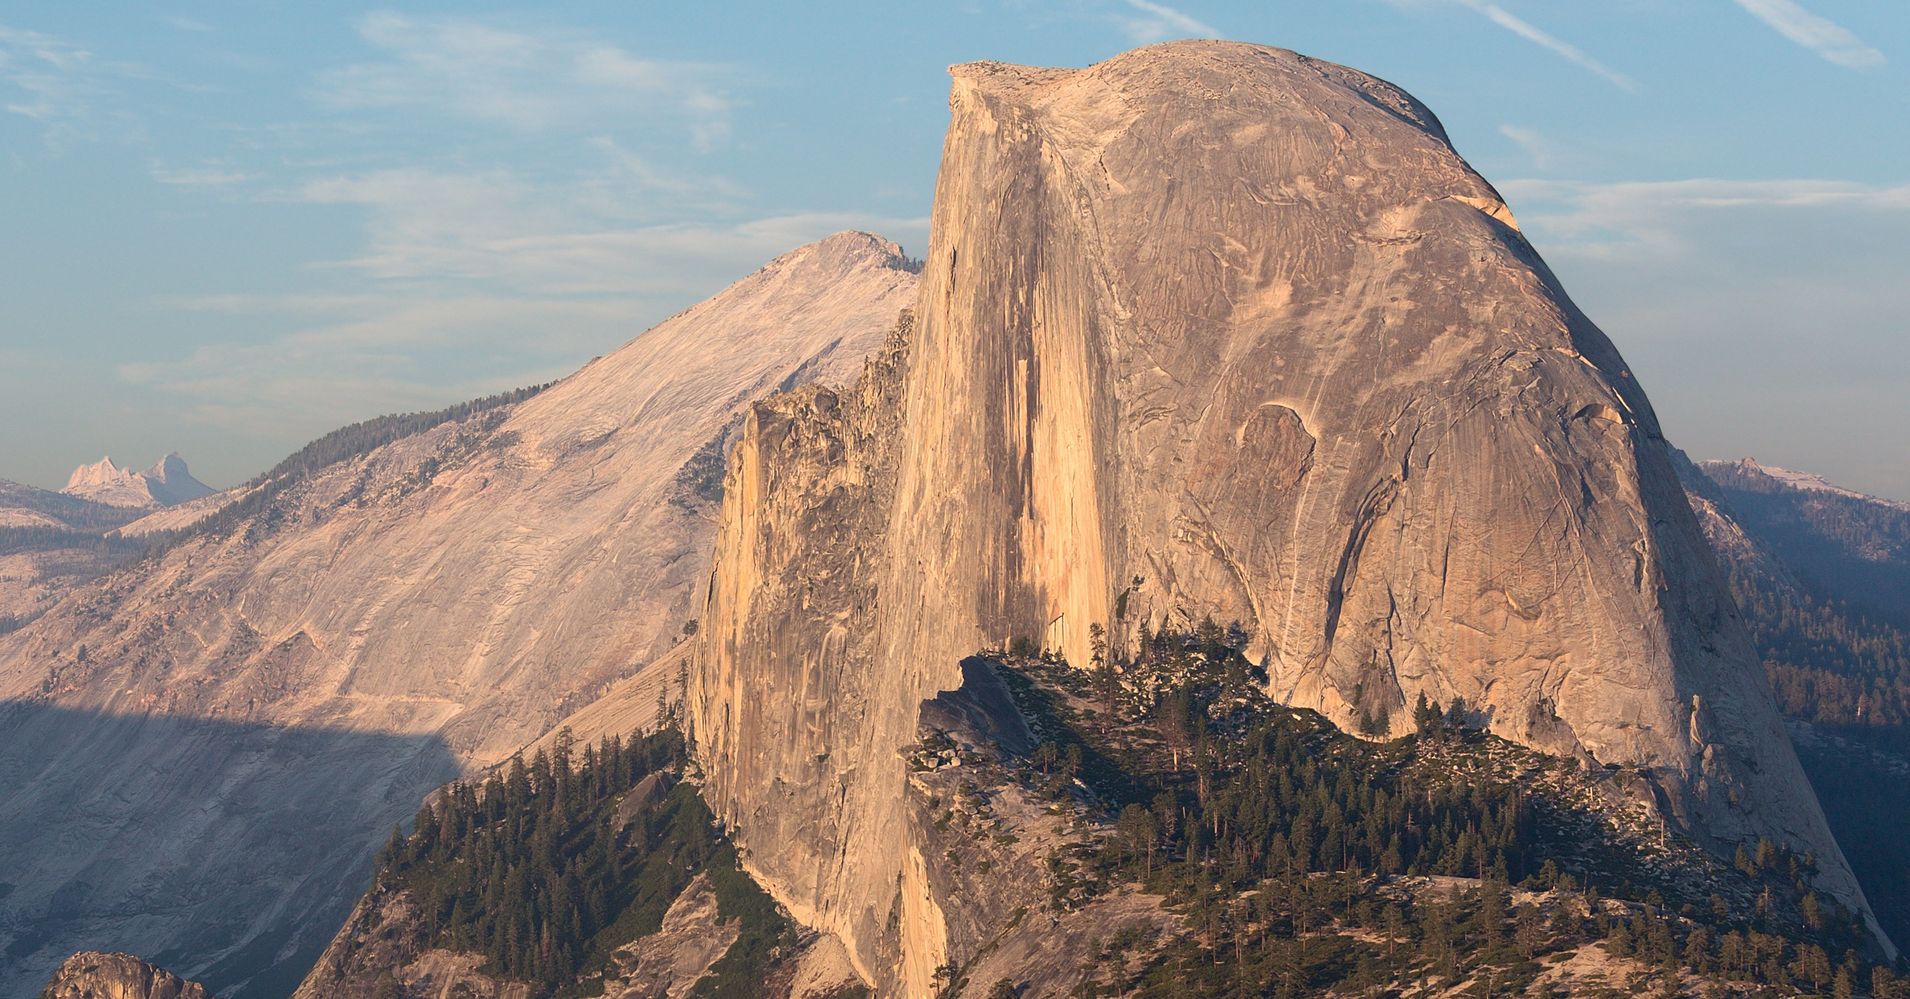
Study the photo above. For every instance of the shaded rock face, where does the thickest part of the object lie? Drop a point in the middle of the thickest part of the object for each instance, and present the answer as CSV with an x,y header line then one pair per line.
x,y
396,620
1218,330
93,975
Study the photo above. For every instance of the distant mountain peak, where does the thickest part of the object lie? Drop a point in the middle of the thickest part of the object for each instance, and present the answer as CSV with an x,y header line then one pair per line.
x,y
166,483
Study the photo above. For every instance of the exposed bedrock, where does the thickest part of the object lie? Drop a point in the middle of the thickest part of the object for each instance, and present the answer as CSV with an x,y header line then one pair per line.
x,y
1216,329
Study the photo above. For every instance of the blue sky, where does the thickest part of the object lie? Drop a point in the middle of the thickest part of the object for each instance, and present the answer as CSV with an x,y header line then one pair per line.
x,y
231,227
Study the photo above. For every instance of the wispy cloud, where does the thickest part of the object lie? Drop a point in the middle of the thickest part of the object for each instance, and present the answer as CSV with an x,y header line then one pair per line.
x,y
472,272
526,80
1157,22
501,231
1571,53
1828,39
1638,219
1531,143
204,176
48,78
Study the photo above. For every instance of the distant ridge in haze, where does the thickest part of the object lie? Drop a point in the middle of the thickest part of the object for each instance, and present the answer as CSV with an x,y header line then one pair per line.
x,y
166,483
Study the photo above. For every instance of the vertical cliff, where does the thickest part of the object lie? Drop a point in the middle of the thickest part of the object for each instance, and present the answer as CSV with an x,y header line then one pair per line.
x,y
1217,330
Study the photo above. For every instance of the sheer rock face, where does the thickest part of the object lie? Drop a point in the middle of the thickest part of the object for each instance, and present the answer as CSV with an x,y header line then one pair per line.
x,y
1215,329
202,753
92,975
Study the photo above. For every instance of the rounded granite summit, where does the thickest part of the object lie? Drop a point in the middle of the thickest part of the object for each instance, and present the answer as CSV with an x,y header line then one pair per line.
x,y
1219,330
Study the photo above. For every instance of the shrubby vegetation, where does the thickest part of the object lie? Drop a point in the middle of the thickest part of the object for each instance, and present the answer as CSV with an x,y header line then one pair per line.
x,y
1307,861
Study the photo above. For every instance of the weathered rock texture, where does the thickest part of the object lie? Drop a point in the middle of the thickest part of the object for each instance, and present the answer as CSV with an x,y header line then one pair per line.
x,y
93,975
1216,329
202,753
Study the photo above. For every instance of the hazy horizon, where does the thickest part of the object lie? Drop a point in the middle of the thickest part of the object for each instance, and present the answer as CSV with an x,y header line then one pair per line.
x,y
234,231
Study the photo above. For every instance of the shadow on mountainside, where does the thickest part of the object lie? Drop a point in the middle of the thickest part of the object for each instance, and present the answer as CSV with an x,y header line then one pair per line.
x,y
230,852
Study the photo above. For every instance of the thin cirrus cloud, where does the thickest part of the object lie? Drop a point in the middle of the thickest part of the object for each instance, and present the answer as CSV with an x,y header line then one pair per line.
x,y
527,80
1571,53
1831,41
1530,142
204,177
1532,33
45,78
1156,22
469,279
1654,220
576,236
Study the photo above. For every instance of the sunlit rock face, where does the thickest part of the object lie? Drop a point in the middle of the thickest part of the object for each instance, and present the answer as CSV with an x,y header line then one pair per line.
x,y
201,753
1217,330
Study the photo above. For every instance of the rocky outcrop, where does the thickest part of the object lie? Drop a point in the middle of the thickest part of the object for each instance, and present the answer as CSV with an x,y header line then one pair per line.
x,y
382,951
93,975
1216,330
167,483
203,752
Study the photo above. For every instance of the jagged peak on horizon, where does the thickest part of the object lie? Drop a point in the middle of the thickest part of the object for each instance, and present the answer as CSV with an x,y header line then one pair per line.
x,y
167,482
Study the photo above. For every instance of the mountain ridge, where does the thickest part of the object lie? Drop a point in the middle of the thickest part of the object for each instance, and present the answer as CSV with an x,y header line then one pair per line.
x,y
405,614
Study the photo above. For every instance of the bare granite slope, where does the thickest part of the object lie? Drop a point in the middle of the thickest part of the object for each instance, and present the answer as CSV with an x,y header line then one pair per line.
x,y
1213,329
204,751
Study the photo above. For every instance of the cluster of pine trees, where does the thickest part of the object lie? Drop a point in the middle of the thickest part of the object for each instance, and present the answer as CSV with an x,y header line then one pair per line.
x,y
44,539
1829,662
1285,842
533,868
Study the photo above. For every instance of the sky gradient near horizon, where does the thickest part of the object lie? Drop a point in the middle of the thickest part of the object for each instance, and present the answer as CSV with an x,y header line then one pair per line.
x,y
231,227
